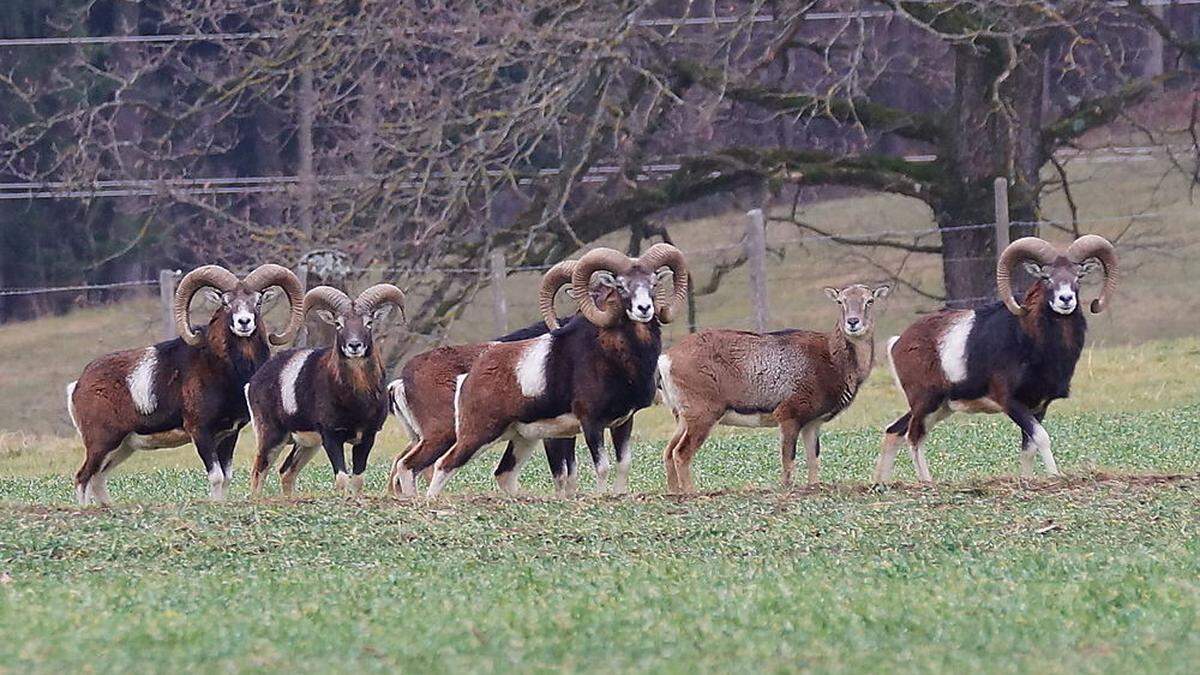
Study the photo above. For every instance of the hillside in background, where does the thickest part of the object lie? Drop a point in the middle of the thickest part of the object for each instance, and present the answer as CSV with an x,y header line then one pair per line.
x,y
1156,301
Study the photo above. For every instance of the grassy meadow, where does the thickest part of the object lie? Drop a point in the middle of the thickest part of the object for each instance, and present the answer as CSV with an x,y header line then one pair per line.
x,y
1098,571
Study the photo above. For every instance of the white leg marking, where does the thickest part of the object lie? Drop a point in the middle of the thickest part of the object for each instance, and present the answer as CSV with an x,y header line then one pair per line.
x,y
509,481
141,382
400,402
885,466
1041,439
438,483
81,494
407,480
602,473
216,483
287,380
356,484
341,482
952,347
621,482
531,367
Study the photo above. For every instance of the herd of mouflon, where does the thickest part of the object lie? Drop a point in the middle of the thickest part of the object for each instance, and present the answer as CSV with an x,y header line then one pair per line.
x,y
565,376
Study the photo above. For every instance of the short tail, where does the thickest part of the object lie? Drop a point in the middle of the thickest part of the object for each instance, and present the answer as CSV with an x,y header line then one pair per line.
x,y
250,408
398,402
667,385
891,344
71,406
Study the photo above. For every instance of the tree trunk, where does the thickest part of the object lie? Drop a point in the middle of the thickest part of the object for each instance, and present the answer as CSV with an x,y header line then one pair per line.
x,y
989,140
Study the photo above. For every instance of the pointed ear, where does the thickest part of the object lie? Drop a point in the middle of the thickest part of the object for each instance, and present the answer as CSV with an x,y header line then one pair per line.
x,y
662,275
605,278
212,297
1034,269
1090,265
381,313
831,293
882,291
327,316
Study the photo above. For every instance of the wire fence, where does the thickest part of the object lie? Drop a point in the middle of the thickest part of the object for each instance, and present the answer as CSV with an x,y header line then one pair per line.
x,y
709,257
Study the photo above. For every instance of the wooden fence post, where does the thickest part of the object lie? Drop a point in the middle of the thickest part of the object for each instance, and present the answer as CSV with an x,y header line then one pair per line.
x,y
756,256
168,280
499,302
1001,193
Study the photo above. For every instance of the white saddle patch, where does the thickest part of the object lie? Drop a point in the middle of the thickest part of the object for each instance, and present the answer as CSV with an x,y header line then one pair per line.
x,y
531,367
287,380
952,347
141,382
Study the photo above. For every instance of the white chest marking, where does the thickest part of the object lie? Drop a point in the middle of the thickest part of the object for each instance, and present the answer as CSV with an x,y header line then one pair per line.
x,y
287,380
141,382
952,348
531,367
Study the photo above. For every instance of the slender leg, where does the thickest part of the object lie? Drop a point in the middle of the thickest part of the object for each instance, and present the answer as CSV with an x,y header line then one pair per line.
x,y
270,441
359,453
560,454
811,433
669,455
459,454
392,487
697,432
98,487
620,436
923,419
206,447
593,435
893,437
91,466
421,457
336,452
789,431
225,450
1032,434
289,471
508,479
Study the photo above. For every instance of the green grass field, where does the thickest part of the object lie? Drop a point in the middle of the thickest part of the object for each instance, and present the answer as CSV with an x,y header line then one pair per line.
x,y
1096,572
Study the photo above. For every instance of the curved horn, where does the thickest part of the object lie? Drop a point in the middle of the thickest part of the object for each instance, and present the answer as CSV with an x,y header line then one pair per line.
x,y
370,299
205,276
1025,248
597,260
666,255
270,274
325,297
555,278
1095,246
